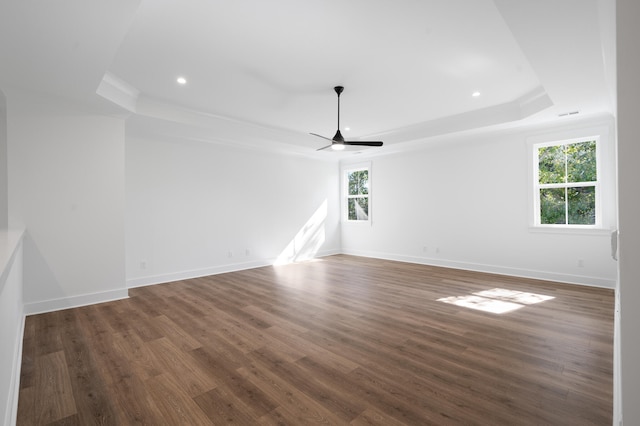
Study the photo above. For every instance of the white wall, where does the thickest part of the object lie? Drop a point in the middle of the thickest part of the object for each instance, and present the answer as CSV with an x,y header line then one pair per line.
x,y
628,34
190,203
466,200
4,201
11,322
66,187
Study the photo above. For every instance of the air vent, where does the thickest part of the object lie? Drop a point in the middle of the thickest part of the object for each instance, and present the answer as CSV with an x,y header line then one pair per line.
x,y
566,114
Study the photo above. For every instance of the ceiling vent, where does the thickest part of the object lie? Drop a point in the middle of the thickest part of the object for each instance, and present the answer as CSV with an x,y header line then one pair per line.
x,y
566,114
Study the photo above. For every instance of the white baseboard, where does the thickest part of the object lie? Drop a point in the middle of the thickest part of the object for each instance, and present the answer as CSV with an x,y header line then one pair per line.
x,y
493,269
74,301
107,296
196,273
11,415
213,270
88,299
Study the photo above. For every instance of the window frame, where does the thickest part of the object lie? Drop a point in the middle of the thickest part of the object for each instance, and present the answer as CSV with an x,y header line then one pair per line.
x,y
536,186
345,196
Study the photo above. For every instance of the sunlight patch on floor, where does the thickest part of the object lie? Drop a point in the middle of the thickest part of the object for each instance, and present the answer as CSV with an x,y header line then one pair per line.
x,y
496,300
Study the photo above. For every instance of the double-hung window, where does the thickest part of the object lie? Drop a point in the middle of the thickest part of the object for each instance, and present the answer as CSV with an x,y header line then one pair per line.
x,y
566,183
356,190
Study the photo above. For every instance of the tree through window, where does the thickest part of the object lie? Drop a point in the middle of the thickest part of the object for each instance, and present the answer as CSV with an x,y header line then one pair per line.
x,y
357,194
566,184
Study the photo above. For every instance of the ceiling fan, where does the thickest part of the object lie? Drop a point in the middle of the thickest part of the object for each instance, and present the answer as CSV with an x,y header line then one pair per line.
x,y
338,143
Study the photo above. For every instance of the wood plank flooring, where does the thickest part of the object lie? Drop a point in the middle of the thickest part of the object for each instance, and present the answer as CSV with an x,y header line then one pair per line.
x,y
341,340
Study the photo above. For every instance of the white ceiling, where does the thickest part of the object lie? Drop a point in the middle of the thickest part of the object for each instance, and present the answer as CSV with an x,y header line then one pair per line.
x,y
261,73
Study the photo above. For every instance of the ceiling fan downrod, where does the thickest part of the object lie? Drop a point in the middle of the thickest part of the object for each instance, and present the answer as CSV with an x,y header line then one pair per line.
x,y
338,143
338,136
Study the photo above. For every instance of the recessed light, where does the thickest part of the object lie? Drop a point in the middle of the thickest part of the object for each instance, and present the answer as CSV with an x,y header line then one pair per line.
x,y
346,129
181,80
475,94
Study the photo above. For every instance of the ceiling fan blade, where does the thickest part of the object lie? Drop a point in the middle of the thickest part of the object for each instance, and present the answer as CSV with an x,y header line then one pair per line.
x,y
324,147
320,136
363,143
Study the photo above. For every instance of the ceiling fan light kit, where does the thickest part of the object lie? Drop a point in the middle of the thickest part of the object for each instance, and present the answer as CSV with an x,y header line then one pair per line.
x,y
337,142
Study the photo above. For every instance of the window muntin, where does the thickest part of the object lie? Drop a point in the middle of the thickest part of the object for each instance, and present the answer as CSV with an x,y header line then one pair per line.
x,y
566,183
357,186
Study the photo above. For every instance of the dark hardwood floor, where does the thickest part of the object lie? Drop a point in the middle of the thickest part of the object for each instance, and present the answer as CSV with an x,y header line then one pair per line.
x,y
340,340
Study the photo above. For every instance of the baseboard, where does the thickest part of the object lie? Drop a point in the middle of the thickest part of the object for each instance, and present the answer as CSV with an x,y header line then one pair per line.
x,y
493,269
14,386
74,301
213,270
196,273
501,270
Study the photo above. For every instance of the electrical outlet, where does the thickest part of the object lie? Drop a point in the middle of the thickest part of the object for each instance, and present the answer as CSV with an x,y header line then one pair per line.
x,y
580,263
143,264
230,253
425,249
247,252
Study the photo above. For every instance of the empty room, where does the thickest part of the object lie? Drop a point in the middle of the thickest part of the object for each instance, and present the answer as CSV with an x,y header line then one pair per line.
x,y
335,212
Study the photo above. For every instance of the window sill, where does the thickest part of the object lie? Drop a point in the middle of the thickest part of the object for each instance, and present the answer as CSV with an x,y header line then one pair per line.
x,y
567,230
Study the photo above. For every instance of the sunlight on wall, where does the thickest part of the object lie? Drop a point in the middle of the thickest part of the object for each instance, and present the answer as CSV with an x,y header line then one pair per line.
x,y
496,300
307,242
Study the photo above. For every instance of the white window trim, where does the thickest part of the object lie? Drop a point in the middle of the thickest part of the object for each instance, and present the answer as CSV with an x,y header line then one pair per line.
x,y
537,186
344,192
605,169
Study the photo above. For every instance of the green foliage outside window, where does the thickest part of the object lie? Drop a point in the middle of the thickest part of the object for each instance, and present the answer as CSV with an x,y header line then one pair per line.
x,y
567,175
358,195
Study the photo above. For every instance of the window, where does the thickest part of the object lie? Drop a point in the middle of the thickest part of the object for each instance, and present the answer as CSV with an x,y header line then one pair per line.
x,y
566,185
357,187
